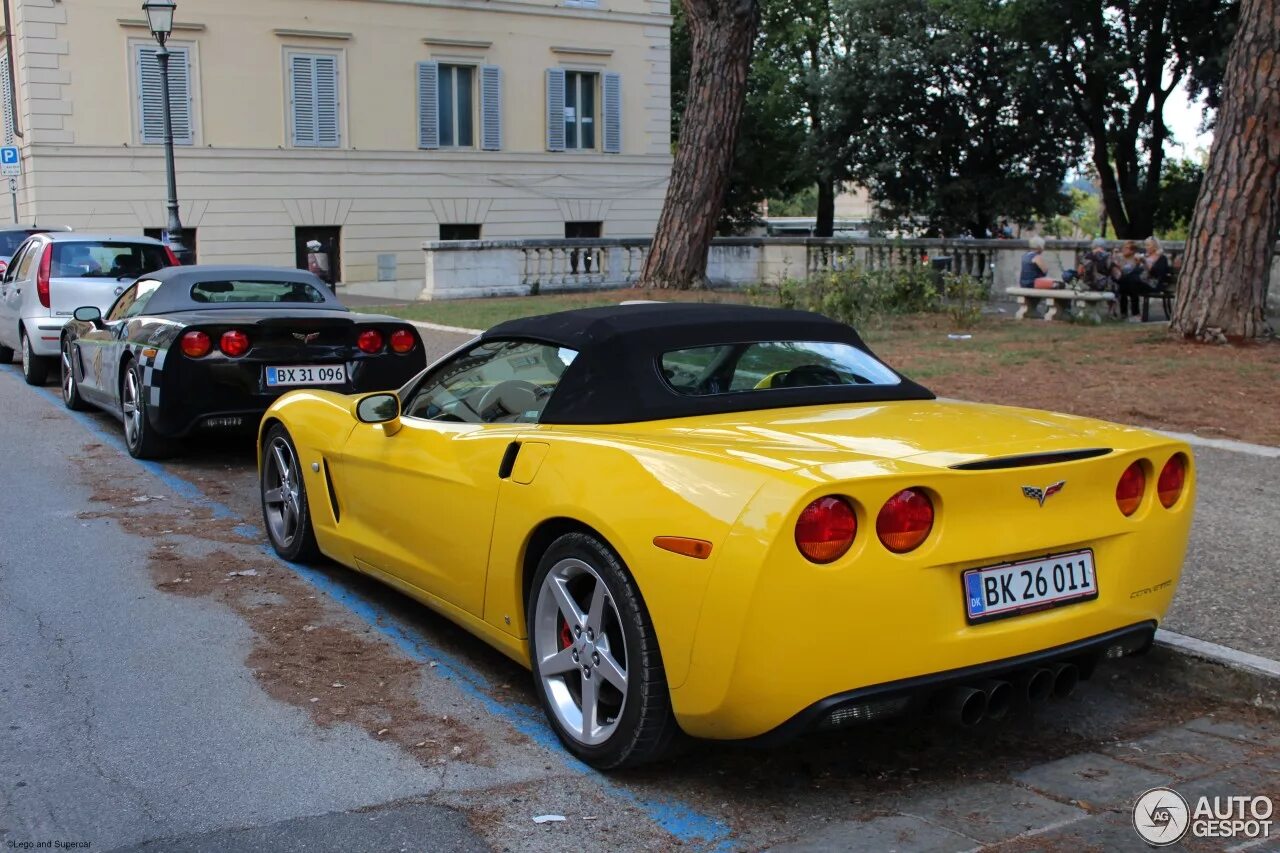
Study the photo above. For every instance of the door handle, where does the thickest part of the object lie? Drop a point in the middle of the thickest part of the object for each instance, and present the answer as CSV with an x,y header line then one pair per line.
x,y
509,460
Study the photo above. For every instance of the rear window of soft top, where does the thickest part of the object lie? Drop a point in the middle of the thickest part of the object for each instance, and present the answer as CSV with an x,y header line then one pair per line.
x,y
256,291
768,365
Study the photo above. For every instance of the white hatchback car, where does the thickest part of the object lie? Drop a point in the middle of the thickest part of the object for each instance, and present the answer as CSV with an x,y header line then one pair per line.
x,y
51,275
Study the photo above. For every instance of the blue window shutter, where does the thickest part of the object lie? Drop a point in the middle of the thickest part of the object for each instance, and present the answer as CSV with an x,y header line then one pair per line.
x,y
428,105
303,106
151,96
612,113
555,109
328,131
490,108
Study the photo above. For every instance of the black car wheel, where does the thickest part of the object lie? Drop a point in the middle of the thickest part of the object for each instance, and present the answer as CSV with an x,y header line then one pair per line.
x,y
35,368
594,654
139,435
285,508
70,388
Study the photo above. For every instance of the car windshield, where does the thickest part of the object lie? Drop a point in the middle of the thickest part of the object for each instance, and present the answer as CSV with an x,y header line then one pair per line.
x,y
99,259
767,365
11,240
255,291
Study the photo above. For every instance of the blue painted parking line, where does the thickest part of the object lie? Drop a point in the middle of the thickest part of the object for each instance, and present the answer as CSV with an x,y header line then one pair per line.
x,y
678,818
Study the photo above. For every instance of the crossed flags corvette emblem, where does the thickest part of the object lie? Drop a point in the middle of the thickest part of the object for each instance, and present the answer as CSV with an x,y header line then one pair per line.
x,y
1042,495
308,338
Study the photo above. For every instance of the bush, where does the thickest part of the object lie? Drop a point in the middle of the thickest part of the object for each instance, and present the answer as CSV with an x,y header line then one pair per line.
x,y
866,298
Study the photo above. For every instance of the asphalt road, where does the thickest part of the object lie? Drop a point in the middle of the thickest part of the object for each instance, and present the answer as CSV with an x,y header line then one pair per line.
x,y
165,684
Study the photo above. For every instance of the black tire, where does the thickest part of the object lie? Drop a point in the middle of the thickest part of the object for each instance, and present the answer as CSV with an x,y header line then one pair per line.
x,y
287,517
644,727
35,368
70,387
6,355
140,437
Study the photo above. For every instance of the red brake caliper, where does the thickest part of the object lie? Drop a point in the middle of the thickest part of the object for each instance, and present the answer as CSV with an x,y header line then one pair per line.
x,y
566,638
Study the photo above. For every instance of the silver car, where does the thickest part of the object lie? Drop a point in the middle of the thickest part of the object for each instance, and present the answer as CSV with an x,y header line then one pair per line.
x,y
52,275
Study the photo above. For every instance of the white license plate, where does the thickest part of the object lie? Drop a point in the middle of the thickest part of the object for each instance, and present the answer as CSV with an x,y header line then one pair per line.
x,y
997,591
307,374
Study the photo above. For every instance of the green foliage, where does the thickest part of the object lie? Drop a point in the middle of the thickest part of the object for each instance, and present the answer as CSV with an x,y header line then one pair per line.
x,y
943,110
1179,187
1119,60
803,203
866,298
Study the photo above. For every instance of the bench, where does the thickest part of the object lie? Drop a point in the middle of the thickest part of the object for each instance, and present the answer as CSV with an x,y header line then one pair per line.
x,y
1085,302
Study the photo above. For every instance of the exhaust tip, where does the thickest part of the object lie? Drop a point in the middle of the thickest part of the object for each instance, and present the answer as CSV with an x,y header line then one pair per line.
x,y
964,705
999,698
1065,678
1037,684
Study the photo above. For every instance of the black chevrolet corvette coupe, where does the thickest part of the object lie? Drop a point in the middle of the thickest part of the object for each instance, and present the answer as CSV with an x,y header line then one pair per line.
x,y
188,349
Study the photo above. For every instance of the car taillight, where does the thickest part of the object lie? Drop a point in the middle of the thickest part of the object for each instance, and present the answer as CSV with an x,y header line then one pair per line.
x,y
42,275
402,340
905,520
1133,482
1172,478
173,259
825,529
234,343
195,344
370,341
4,265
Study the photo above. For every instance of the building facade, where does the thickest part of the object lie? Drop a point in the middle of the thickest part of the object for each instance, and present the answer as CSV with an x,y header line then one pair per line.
x,y
370,126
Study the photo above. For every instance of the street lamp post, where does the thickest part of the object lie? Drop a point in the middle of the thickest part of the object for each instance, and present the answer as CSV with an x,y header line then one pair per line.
x,y
160,20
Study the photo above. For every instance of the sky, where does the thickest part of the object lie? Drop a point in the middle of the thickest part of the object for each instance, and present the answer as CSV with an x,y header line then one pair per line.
x,y
1184,117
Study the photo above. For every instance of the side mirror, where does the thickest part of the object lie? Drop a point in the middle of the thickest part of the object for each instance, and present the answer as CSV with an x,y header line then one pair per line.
x,y
380,409
89,314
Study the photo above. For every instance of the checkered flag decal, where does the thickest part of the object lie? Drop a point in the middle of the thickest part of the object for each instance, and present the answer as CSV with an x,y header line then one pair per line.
x,y
152,371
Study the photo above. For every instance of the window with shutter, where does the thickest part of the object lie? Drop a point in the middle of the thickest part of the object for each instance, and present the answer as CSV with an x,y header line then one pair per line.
x,y
491,108
313,100
555,109
428,105
151,95
612,98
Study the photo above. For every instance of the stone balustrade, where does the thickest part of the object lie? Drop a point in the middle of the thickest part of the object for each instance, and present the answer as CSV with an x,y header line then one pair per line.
x,y
467,268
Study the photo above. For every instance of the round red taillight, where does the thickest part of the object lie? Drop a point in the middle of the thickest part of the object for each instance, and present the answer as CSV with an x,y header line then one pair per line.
x,y
195,344
905,520
370,341
1172,478
234,343
402,340
825,529
1133,482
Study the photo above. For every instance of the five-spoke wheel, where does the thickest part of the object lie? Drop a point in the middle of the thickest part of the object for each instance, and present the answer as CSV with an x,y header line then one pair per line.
x,y
596,665
284,498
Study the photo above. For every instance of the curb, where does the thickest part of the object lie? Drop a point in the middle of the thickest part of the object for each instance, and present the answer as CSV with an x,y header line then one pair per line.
x,y
436,327
1222,671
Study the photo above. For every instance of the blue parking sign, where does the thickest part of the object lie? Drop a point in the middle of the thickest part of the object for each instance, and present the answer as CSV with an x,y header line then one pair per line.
x,y
10,161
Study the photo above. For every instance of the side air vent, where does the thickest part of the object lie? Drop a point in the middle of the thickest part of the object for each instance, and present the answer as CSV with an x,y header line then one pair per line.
x,y
333,496
1027,460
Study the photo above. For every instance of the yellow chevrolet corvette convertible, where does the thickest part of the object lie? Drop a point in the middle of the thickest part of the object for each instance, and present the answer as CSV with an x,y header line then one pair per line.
x,y
735,522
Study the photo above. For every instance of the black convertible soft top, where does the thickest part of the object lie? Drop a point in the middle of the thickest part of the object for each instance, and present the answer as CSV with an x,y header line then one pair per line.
x,y
617,377
174,293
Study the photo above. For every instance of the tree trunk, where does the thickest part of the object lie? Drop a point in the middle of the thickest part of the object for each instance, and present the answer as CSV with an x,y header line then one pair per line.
x,y
825,224
721,33
1222,293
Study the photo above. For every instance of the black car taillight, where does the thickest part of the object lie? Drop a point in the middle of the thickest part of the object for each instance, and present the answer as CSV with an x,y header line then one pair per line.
x,y
403,340
370,341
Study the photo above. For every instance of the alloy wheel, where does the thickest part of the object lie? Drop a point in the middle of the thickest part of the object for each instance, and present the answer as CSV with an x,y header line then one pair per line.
x,y
132,406
26,355
581,651
281,497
